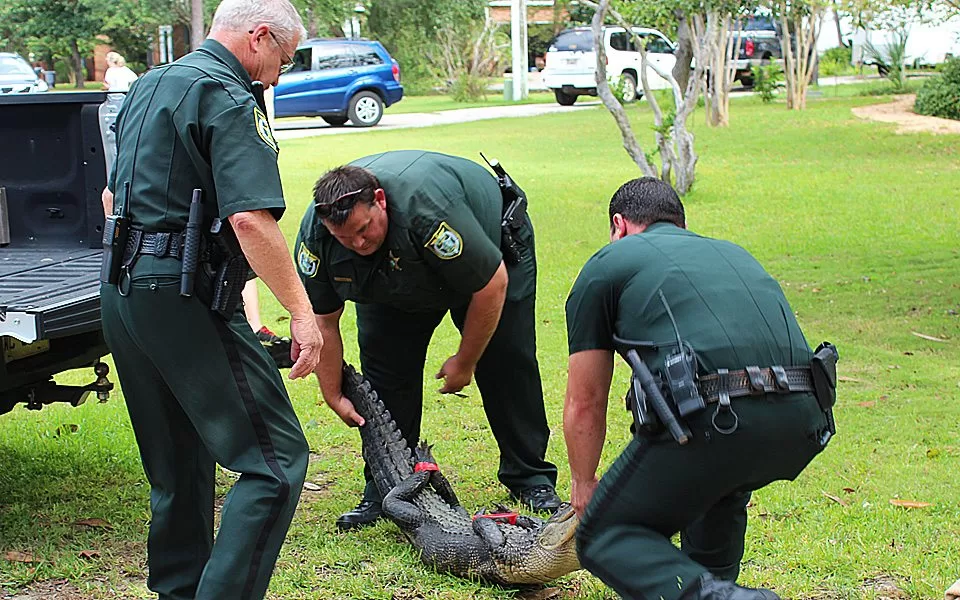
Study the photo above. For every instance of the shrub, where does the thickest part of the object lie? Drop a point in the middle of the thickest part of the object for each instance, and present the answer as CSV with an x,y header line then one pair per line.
x,y
836,61
940,94
890,58
766,81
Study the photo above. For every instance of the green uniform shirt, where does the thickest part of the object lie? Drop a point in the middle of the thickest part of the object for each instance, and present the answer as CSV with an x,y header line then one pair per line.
x,y
195,124
726,306
442,243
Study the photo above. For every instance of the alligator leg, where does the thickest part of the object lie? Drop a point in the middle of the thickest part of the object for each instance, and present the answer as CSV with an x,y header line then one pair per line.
x,y
488,531
398,503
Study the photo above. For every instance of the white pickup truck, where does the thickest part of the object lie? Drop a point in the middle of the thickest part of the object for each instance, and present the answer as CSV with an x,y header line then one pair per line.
x,y
571,63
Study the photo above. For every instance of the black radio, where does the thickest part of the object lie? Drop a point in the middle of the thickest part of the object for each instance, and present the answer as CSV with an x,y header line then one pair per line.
x,y
116,229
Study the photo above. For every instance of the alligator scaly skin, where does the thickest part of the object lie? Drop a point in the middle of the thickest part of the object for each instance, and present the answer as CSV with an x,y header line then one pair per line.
x,y
425,507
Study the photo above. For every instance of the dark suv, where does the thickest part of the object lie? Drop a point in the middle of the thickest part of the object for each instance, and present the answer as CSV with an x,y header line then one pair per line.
x,y
759,46
339,79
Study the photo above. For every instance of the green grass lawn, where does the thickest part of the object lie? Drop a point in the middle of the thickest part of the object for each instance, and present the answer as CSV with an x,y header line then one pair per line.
x,y
859,224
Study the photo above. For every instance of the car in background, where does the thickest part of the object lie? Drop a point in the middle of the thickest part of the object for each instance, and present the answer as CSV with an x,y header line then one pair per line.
x,y
759,46
571,62
17,76
339,80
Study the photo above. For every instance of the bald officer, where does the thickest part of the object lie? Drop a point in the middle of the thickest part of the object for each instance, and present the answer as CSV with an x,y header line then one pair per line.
x,y
410,236
200,389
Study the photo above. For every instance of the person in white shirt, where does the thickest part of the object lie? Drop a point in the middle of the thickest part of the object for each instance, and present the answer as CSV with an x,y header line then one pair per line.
x,y
118,76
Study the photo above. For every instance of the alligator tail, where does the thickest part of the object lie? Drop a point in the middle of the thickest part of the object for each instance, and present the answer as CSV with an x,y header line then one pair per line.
x,y
384,448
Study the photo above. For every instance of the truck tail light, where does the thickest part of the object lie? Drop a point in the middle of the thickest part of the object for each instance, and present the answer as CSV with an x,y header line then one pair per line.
x,y
748,47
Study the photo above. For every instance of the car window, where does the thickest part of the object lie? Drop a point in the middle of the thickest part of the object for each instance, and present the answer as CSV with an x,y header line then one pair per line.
x,y
619,41
367,56
658,45
302,60
759,24
11,65
333,56
573,40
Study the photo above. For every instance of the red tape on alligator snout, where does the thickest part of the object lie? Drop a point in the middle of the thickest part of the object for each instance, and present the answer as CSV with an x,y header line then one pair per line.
x,y
510,517
425,466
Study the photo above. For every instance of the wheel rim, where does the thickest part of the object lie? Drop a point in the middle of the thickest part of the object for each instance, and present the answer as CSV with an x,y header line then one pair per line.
x,y
629,89
367,109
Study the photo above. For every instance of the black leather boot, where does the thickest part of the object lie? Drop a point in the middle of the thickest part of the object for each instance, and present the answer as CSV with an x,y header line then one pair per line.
x,y
708,587
366,513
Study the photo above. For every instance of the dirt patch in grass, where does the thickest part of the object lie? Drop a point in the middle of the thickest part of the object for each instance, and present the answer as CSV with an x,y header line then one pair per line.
x,y
55,589
900,111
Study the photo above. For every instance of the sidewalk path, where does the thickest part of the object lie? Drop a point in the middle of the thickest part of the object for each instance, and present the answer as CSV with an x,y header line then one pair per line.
x,y
311,127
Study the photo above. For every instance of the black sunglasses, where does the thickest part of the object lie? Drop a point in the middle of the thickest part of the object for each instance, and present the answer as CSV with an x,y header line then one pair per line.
x,y
342,202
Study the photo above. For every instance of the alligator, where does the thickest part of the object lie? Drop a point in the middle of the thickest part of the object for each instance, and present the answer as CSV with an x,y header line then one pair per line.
x,y
501,547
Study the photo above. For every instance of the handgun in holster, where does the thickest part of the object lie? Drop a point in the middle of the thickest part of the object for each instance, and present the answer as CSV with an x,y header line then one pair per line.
x,y
116,231
823,370
514,213
228,269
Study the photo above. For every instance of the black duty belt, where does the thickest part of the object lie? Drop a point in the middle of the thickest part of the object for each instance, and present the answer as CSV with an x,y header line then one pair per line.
x,y
161,244
755,381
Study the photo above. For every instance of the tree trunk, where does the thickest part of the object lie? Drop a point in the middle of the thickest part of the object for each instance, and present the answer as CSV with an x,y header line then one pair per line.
x,y
718,46
630,143
799,58
311,23
77,64
836,21
197,31
684,53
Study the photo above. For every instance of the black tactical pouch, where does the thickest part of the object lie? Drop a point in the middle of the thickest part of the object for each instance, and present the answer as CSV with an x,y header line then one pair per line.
x,y
223,278
823,368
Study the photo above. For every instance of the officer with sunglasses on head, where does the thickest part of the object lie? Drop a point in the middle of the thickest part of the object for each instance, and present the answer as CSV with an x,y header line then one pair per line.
x,y
410,236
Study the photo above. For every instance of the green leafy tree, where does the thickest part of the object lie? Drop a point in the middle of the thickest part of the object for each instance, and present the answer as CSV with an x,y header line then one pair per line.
x,y
324,17
68,28
411,30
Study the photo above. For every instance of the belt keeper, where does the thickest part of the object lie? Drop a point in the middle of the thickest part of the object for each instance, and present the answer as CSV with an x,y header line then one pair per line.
x,y
723,388
723,404
755,380
780,378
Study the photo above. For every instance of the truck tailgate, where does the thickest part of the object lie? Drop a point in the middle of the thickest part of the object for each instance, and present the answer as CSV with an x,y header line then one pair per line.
x,y
49,292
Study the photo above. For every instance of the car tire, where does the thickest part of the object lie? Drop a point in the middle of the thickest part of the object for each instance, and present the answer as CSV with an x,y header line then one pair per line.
x,y
335,121
564,99
366,109
629,88
746,82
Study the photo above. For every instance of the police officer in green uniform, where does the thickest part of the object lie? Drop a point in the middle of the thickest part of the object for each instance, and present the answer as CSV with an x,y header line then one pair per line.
x,y
410,236
200,388
655,287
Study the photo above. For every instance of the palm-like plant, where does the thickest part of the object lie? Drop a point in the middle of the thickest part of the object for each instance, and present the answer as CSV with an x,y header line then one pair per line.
x,y
891,58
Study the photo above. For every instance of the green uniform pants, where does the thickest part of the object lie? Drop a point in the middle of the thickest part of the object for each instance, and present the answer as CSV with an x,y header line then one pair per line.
x,y
202,391
393,348
657,488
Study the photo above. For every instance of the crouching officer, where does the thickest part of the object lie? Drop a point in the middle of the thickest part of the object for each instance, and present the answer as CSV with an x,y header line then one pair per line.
x,y
723,399
410,236
196,156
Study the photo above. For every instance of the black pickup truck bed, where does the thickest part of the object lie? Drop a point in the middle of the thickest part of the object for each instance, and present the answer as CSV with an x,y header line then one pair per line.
x,y
49,292
52,171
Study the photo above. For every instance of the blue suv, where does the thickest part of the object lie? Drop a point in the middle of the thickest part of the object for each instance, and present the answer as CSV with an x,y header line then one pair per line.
x,y
339,79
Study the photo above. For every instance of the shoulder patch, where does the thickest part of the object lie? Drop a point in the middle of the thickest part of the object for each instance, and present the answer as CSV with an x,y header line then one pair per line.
x,y
445,242
307,262
262,124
